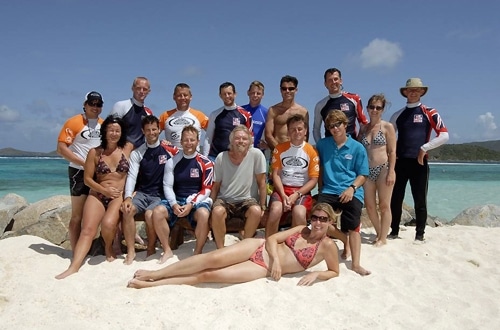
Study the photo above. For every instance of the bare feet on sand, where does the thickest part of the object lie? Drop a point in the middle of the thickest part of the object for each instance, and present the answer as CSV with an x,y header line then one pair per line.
x,y
345,254
144,275
379,243
165,256
65,274
129,259
138,284
110,254
361,271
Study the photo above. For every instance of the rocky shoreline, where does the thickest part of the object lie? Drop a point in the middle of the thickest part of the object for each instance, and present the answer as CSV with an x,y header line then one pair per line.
x,y
49,218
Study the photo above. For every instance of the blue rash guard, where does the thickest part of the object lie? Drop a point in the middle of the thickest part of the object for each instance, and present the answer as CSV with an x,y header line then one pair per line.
x,y
259,115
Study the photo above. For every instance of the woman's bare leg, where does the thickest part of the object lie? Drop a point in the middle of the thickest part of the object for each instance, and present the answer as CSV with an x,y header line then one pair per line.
x,y
384,200
93,212
109,227
245,271
370,188
219,258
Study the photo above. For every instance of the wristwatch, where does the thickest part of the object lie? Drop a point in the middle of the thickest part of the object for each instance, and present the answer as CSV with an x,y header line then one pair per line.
x,y
353,187
263,207
299,193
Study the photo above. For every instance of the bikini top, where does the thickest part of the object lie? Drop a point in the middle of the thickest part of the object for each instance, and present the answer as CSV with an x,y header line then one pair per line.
x,y
304,256
378,139
103,168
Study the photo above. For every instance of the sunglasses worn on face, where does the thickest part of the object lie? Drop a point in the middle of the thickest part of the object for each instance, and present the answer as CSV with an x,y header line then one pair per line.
x,y
318,218
95,104
335,125
290,89
373,107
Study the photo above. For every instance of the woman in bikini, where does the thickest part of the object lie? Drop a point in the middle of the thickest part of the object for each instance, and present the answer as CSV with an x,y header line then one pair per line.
x,y
106,169
379,139
285,252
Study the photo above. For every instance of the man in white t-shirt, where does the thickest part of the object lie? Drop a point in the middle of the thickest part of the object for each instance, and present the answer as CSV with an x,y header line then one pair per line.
x,y
235,171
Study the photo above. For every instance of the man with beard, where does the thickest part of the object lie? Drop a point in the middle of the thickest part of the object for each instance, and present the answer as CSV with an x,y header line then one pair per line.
x,y
235,170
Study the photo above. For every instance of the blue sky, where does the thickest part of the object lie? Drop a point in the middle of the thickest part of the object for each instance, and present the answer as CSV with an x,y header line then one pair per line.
x,y
54,52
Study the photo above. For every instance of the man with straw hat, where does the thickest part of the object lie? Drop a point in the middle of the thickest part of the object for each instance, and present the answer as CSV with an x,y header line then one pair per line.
x,y
413,125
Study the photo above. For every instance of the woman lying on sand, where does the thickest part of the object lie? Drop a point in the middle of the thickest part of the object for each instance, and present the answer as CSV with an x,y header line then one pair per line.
x,y
286,252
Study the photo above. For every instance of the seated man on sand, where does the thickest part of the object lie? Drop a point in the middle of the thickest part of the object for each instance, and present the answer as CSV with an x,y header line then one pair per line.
x,y
145,177
188,181
295,166
287,252
235,171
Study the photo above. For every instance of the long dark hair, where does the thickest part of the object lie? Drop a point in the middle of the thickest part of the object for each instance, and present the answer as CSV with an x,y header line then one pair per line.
x,y
104,128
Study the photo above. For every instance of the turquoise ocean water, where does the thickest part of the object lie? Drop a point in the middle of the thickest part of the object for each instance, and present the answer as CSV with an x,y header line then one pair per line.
x,y
453,187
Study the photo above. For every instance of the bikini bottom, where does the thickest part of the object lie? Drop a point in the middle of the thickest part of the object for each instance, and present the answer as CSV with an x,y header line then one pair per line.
x,y
375,171
258,258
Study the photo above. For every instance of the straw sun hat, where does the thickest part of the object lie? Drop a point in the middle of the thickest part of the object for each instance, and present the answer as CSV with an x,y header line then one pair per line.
x,y
413,83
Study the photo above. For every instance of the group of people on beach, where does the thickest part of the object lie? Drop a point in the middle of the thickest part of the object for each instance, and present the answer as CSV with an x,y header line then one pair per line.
x,y
210,169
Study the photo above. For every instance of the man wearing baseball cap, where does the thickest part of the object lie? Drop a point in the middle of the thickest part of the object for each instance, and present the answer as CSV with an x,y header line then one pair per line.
x,y
413,125
78,135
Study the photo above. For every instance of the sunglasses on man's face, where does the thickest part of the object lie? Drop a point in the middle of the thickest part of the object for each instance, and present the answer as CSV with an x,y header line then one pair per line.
x,y
377,107
95,104
335,125
319,218
289,89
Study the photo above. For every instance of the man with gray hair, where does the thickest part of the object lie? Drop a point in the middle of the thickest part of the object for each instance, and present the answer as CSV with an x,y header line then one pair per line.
x,y
235,171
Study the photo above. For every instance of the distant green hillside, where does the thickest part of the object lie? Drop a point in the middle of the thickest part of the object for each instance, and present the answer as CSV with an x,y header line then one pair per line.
x,y
493,145
11,152
468,152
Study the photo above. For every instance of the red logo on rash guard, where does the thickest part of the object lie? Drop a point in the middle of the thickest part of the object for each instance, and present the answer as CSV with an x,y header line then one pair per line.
x,y
162,159
418,118
194,173
236,121
344,106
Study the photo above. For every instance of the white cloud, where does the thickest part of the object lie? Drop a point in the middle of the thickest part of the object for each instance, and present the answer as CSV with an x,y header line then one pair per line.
x,y
381,53
7,114
192,71
487,125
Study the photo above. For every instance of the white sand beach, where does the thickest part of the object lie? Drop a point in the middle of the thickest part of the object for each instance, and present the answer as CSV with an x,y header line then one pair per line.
x,y
452,281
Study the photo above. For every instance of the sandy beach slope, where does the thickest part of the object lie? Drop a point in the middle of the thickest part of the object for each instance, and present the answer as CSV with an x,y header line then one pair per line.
x,y
450,282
